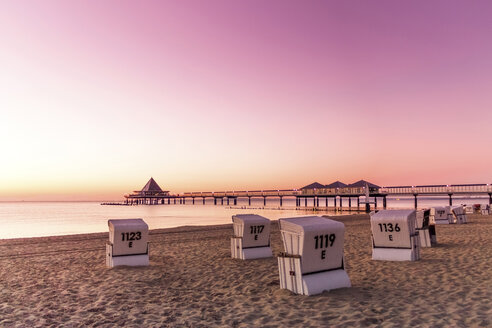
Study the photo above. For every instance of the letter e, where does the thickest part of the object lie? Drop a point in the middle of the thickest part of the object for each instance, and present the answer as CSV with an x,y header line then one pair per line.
x,y
390,237
130,244
256,237
323,254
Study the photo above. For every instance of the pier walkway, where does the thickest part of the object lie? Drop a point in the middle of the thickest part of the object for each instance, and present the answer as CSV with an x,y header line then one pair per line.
x,y
338,193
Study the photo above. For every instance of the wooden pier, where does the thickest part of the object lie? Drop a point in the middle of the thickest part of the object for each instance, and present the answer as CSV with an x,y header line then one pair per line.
x,y
336,194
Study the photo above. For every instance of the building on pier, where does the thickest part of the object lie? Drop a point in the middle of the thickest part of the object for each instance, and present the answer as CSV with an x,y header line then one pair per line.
x,y
150,194
360,186
334,188
339,188
336,185
310,188
338,192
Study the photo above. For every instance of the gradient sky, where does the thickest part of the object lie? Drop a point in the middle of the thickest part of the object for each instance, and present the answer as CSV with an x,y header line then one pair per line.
x,y
98,96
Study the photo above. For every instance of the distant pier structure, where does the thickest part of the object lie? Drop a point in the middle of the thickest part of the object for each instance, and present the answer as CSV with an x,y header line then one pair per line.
x,y
339,193
336,195
151,194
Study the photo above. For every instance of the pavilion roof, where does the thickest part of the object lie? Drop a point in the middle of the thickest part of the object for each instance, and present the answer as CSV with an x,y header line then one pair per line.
x,y
336,184
362,183
152,186
314,185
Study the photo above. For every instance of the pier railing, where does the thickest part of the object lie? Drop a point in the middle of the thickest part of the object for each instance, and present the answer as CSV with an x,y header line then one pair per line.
x,y
252,193
348,191
338,191
438,189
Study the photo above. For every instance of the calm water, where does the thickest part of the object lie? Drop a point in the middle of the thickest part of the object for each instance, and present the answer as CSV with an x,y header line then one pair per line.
x,y
36,219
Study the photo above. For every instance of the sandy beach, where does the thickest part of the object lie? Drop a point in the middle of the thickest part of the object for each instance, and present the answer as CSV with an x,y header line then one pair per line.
x,y
193,282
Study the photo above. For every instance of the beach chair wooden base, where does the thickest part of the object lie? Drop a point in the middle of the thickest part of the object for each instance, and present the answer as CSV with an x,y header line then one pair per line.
x,y
128,260
394,254
399,254
251,253
291,278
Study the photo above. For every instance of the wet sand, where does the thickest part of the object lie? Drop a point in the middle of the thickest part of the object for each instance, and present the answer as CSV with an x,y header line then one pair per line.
x,y
193,282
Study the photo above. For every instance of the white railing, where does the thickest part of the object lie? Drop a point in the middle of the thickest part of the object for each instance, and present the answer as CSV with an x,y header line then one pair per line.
x,y
441,189
399,190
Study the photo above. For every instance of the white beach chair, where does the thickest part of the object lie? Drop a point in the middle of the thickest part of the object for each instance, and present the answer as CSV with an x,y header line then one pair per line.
x,y
443,215
458,213
426,229
251,239
394,236
128,243
313,259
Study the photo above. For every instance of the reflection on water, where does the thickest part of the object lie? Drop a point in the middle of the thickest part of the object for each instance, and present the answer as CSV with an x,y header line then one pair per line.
x,y
36,219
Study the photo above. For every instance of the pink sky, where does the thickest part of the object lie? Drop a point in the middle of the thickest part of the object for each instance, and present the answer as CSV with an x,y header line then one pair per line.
x,y
97,96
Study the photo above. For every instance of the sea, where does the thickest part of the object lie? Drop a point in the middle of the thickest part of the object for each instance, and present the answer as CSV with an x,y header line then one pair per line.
x,y
39,219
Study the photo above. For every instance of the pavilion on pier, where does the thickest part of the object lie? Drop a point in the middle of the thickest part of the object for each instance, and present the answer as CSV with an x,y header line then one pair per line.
x,y
151,194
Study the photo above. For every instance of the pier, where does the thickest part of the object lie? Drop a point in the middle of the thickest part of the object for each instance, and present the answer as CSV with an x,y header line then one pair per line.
x,y
440,190
335,195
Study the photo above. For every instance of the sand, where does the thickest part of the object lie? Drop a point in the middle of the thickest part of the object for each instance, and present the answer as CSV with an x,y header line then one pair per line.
x,y
193,282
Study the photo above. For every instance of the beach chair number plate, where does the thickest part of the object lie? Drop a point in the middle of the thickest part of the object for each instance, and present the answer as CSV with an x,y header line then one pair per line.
x,y
256,230
324,241
388,227
328,240
131,236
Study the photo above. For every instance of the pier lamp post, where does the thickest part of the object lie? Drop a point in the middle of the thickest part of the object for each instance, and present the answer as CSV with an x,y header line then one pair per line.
x,y
450,194
366,193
